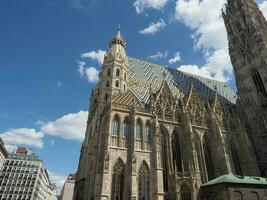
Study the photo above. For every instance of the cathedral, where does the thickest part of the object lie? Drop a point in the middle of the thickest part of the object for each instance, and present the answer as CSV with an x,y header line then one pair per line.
x,y
157,133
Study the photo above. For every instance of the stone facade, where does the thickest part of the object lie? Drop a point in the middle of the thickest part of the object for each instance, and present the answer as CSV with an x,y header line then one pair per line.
x,y
68,188
247,36
158,133
3,153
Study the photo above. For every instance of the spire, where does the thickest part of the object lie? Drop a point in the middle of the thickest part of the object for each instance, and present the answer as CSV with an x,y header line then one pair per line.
x,y
118,39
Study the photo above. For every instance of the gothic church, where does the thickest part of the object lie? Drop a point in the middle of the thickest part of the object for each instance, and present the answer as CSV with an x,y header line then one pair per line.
x,y
156,133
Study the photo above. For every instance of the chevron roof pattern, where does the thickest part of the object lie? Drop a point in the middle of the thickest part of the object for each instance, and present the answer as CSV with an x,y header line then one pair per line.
x,y
143,75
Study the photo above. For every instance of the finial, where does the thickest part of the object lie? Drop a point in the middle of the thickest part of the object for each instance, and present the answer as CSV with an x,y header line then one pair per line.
x,y
119,27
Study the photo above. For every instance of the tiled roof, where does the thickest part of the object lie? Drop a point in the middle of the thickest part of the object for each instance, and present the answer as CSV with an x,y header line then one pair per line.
x,y
230,178
143,74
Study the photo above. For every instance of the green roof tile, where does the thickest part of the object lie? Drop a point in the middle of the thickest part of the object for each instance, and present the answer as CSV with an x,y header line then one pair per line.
x,y
231,178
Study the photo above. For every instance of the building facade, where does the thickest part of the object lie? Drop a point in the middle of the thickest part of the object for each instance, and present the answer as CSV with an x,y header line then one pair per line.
x,y
154,132
3,153
68,188
23,177
231,187
247,36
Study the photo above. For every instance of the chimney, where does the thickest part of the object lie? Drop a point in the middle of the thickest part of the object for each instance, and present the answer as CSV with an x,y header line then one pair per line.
x,y
22,150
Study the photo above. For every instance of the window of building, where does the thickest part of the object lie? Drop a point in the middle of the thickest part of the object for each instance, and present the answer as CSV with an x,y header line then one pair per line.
x,y
258,82
164,157
185,192
115,126
106,96
107,84
208,158
117,181
117,72
148,132
117,83
126,128
237,195
138,131
176,152
108,72
143,182
124,87
124,76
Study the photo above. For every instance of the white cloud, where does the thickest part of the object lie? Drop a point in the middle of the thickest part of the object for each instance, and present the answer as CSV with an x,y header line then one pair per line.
x,y
57,179
92,74
95,55
10,148
71,126
81,68
204,18
176,58
59,84
22,136
194,69
154,27
159,55
141,5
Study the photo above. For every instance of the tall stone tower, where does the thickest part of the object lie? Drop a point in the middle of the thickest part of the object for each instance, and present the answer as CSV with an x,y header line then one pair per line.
x,y
247,37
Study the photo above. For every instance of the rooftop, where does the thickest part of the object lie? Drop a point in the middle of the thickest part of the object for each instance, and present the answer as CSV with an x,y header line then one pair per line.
x,y
231,178
144,74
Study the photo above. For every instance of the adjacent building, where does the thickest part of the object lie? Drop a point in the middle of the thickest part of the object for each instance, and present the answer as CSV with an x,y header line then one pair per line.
x,y
68,188
3,153
24,177
232,187
155,132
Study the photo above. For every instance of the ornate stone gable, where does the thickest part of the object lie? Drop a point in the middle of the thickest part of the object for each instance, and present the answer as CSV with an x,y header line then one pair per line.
x,y
127,101
196,109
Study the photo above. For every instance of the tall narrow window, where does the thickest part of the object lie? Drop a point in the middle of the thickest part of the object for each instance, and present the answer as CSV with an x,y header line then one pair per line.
x,y
138,130
258,82
235,158
117,84
117,181
117,72
143,182
108,72
115,126
126,128
148,132
124,76
208,158
176,153
185,192
107,84
164,157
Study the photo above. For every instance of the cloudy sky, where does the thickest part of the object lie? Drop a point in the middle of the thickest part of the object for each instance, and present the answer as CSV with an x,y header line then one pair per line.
x,y
51,52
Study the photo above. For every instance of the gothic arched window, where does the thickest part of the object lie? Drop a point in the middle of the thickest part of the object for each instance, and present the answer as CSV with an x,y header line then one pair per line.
x,y
108,72
117,181
124,76
126,128
124,87
148,132
208,158
176,153
115,126
117,72
258,82
185,192
143,182
117,83
164,157
235,159
107,84
138,129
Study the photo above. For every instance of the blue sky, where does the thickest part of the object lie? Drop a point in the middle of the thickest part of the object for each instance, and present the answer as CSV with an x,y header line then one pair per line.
x,y
51,52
